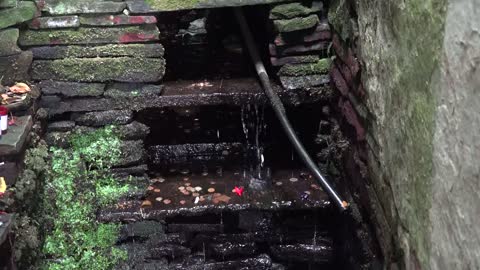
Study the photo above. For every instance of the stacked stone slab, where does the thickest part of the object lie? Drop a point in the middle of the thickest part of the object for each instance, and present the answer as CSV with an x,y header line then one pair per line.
x,y
87,56
302,36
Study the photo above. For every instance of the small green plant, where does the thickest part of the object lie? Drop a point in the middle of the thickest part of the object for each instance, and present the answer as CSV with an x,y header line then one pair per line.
x,y
78,183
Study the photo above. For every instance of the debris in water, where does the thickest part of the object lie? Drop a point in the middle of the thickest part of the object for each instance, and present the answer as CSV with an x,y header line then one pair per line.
x,y
279,183
157,180
167,201
204,173
198,189
157,190
186,192
293,179
212,182
182,202
188,184
185,179
238,190
159,199
146,203
150,188
191,189
315,186
182,188
211,190
218,197
304,176
307,192
185,171
202,198
195,194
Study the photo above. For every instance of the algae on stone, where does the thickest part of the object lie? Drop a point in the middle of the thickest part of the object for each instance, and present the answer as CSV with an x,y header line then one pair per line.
x,y
296,24
8,42
292,10
320,67
24,11
108,50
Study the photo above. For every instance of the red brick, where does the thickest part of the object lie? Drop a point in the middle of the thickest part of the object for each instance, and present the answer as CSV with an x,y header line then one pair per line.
x,y
352,118
339,81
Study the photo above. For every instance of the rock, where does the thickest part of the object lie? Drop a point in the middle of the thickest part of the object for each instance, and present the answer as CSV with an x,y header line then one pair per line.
x,y
142,229
217,228
292,10
296,24
22,12
133,131
292,83
169,251
134,171
14,68
110,20
125,90
63,7
8,42
8,3
321,67
61,126
229,249
55,22
7,221
82,105
298,49
321,32
13,142
98,119
297,59
90,35
141,6
109,50
58,139
122,69
71,89
50,101
132,153
303,253
260,262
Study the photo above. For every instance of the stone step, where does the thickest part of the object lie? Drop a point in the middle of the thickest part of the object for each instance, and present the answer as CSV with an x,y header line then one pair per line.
x,y
120,69
22,12
90,35
14,68
65,7
8,3
296,24
8,42
13,142
112,20
292,10
55,22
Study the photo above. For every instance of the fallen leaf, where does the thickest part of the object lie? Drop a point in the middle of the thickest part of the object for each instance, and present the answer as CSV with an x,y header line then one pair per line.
x,y
3,185
146,203
239,190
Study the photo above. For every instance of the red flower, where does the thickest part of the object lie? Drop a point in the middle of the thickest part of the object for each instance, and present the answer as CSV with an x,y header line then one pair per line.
x,y
239,190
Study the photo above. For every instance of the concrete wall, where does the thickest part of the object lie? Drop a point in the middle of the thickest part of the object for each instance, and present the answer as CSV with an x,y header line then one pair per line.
x,y
420,70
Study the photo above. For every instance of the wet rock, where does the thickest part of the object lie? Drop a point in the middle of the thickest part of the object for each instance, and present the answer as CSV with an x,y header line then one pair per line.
x,y
153,265
55,22
298,49
58,139
8,3
195,228
137,255
261,262
142,229
292,10
81,105
14,68
133,131
296,24
122,69
50,101
71,89
134,170
292,83
109,50
297,59
61,126
303,253
229,249
14,141
277,266
132,153
110,20
125,90
55,7
88,36
255,221
169,251
22,12
8,42
320,67
321,32
98,119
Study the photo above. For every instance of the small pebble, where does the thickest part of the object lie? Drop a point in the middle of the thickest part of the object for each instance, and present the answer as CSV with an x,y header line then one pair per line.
x,y
278,183
161,180
202,198
191,189
167,201
157,190
314,186
211,190
186,192
182,202
212,182
182,188
307,192
293,179
185,171
198,189
146,203
188,184
159,199
150,188
195,194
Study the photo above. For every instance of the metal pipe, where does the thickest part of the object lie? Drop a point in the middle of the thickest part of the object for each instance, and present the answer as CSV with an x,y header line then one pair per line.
x,y
280,110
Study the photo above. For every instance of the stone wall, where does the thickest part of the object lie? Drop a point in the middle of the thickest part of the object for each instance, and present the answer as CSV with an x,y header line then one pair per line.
x,y
419,119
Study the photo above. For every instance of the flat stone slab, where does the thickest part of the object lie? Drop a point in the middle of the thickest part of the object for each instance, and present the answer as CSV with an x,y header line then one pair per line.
x,y
296,59
109,50
14,68
298,49
120,69
111,20
89,36
149,6
296,24
316,80
99,119
14,140
71,89
292,10
63,7
8,42
283,194
55,22
128,90
22,12
8,3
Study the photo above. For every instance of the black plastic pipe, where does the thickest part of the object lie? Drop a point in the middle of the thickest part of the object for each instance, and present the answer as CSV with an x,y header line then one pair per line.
x,y
280,110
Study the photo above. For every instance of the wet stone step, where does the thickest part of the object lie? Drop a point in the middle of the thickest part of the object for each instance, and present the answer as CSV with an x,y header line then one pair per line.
x,y
13,142
55,7
176,228
303,253
260,262
109,50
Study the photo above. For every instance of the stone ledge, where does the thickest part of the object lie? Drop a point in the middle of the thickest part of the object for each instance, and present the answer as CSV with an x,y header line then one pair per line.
x,y
111,20
22,12
55,22
14,140
109,50
65,7
14,68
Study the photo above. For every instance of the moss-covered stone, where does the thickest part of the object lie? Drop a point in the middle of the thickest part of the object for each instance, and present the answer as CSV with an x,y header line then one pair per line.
x,y
109,50
121,69
24,11
128,90
320,67
296,24
8,42
64,7
71,89
92,35
55,22
8,3
292,10
14,68
145,6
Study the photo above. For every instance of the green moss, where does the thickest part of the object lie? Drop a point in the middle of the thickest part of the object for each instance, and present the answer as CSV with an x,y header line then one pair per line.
x,y
339,18
292,10
24,11
296,24
322,66
172,4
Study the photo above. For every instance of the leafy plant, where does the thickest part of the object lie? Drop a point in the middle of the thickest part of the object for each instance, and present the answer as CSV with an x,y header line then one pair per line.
x,y
78,183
